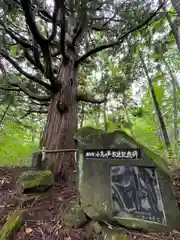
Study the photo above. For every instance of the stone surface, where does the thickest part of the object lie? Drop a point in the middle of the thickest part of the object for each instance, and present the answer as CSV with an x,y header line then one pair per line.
x,y
104,232
113,233
74,216
86,135
34,181
12,226
96,183
96,227
90,138
135,190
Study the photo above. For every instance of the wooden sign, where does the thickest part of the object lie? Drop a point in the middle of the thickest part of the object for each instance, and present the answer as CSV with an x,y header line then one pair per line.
x,y
112,154
136,193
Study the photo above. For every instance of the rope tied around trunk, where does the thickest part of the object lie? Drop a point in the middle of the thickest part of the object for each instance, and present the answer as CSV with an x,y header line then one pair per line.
x,y
44,151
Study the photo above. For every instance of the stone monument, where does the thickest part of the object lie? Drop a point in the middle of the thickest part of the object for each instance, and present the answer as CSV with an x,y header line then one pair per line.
x,y
122,182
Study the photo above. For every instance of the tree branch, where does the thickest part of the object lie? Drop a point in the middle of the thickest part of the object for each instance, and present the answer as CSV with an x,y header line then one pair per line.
x,y
32,61
48,73
47,17
29,57
36,56
43,42
89,98
119,40
54,20
29,93
18,68
63,28
47,69
34,111
99,28
98,49
20,40
101,5
26,6
80,27
4,114
40,103
10,89
37,63
109,20
46,54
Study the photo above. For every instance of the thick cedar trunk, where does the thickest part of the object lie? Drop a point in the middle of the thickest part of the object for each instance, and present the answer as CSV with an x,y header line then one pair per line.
x,y
62,123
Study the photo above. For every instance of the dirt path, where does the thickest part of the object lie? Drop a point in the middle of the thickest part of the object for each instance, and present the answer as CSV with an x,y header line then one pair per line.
x,y
43,215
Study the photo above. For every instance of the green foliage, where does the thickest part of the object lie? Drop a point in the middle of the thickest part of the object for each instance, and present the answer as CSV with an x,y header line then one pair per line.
x,y
16,145
144,130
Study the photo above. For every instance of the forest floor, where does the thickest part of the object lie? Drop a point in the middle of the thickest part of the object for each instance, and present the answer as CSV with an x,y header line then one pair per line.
x,y
43,214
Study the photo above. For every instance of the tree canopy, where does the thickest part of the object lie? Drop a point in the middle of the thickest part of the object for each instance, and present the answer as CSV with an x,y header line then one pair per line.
x,y
34,35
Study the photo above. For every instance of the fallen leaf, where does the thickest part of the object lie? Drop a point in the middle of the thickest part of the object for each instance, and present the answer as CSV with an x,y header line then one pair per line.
x,y
28,230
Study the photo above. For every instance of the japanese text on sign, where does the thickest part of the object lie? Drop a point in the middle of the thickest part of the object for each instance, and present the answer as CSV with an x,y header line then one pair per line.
x,y
116,154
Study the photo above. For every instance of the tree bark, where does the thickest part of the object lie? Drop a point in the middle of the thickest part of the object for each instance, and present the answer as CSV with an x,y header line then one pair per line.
x,y
156,105
97,117
175,110
105,118
127,115
4,114
176,5
82,114
62,122
172,25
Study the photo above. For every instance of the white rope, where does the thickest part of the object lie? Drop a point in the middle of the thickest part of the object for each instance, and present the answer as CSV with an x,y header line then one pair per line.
x,y
44,151
60,150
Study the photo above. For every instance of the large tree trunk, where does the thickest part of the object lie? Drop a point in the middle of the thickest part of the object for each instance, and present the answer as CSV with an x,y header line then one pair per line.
x,y
62,123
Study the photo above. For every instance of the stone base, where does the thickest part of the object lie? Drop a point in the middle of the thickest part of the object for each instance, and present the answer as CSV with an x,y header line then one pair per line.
x,y
34,181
